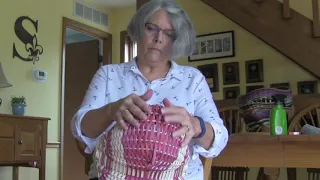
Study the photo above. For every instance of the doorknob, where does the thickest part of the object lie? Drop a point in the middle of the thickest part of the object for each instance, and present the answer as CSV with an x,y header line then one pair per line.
x,y
20,142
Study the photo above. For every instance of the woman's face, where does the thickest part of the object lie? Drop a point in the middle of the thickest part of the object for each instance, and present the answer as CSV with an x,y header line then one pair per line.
x,y
159,35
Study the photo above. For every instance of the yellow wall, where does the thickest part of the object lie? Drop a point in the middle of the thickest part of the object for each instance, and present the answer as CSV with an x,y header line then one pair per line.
x,y
43,99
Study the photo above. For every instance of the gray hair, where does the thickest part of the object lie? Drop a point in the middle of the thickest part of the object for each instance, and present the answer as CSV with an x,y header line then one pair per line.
x,y
184,42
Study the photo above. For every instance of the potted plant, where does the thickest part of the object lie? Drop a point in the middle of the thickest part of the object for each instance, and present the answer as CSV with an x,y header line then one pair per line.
x,y
18,104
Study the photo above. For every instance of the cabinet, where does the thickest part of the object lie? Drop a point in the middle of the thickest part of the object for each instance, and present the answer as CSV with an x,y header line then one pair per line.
x,y
23,142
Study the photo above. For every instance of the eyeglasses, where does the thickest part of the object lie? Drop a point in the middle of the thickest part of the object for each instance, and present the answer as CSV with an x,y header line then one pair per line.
x,y
152,29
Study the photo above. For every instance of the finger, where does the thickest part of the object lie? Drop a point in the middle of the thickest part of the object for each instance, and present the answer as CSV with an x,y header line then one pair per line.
x,y
137,112
179,132
186,139
173,118
147,95
128,117
171,110
141,104
167,103
121,122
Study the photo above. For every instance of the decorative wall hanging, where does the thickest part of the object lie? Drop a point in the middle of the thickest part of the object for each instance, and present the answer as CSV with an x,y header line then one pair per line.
x,y
210,71
280,85
251,88
307,87
30,41
254,71
231,92
230,73
213,46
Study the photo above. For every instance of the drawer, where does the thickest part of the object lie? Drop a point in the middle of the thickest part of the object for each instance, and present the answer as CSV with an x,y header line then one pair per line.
x,y
6,128
6,149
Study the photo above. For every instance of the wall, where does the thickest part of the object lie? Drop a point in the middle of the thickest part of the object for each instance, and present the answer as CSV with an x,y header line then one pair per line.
x,y
121,18
42,98
277,68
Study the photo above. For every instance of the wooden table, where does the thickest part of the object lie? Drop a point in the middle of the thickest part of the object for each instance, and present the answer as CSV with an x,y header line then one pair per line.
x,y
23,140
262,150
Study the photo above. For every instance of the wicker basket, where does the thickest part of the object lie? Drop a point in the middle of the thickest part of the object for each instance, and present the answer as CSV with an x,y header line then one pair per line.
x,y
255,106
148,152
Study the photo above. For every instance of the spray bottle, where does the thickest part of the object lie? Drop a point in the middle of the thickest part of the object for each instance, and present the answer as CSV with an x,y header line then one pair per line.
x,y
278,117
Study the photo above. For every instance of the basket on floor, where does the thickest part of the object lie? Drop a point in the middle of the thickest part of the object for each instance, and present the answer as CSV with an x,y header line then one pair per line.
x,y
147,152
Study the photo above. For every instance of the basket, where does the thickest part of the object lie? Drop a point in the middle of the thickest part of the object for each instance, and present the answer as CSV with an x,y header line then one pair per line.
x,y
255,106
147,152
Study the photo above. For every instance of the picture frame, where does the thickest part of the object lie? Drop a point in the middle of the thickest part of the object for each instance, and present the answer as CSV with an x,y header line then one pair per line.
x,y
251,88
230,73
254,71
210,72
307,87
283,86
231,92
213,46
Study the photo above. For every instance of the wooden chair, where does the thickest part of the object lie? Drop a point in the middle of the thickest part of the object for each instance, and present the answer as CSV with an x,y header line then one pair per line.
x,y
234,124
309,115
88,157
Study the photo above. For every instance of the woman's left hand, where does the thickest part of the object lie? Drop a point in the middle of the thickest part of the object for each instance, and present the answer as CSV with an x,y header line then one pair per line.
x,y
176,114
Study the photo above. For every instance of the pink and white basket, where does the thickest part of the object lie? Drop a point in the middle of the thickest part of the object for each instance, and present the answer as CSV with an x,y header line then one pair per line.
x,y
148,152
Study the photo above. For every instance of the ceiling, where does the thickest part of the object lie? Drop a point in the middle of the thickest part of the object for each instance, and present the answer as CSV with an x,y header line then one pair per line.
x,y
116,3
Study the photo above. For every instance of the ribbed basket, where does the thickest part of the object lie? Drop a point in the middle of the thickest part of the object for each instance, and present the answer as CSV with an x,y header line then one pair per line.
x,y
255,106
148,152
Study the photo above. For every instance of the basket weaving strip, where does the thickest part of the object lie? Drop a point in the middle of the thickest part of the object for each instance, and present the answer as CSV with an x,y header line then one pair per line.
x,y
147,152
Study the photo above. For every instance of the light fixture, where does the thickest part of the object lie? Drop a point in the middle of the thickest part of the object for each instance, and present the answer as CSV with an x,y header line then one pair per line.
x,y
4,83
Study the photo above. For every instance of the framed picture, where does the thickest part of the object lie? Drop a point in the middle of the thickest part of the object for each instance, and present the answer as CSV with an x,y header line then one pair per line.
x,y
251,88
254,71
231,92
210,71
214,46
230,73
283,86
307,87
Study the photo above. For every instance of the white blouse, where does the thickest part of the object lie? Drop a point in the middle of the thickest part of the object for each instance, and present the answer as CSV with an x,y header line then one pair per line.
x,y
184,86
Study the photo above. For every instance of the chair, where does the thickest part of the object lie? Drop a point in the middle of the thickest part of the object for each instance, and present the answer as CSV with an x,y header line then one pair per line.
x,y
88,157
309,115
234,124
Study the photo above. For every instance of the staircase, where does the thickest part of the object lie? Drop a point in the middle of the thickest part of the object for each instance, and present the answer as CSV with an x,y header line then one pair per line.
x,y
292,34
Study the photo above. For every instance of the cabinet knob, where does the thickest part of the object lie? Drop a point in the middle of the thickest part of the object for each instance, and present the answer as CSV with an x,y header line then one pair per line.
x,y
20,142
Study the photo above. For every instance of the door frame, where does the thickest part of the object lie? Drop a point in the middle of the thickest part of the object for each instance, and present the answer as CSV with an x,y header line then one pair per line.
x,y
106,59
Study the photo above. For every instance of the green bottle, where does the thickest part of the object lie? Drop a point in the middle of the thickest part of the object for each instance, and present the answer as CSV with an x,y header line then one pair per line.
x,y
278,117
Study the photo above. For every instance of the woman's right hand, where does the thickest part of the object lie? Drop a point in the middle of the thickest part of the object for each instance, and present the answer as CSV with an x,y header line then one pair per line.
x,y
131,109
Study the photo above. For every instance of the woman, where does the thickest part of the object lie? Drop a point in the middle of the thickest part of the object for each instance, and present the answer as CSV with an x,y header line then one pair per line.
x,y
119,94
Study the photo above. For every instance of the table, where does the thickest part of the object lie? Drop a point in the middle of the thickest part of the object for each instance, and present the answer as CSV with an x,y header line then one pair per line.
x,y
263,150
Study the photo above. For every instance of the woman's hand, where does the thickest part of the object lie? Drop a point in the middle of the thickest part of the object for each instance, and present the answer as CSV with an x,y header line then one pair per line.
x,y
131,109
190,125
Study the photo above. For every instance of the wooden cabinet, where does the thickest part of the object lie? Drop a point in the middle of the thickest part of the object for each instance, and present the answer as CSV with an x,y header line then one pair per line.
x,y
23,141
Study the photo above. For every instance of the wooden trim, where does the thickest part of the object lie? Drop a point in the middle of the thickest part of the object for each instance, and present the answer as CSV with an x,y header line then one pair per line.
x,y
316,22
286,9
123,35
140,3
107,59
53,145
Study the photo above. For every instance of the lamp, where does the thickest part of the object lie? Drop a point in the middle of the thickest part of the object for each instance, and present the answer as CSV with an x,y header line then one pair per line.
x,y
4,83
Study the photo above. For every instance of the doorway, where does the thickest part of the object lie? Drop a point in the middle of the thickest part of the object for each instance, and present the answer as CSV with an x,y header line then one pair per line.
x,y
84,50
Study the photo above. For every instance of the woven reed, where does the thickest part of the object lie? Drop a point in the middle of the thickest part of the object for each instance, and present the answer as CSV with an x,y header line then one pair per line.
x,y
147,152
255,106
